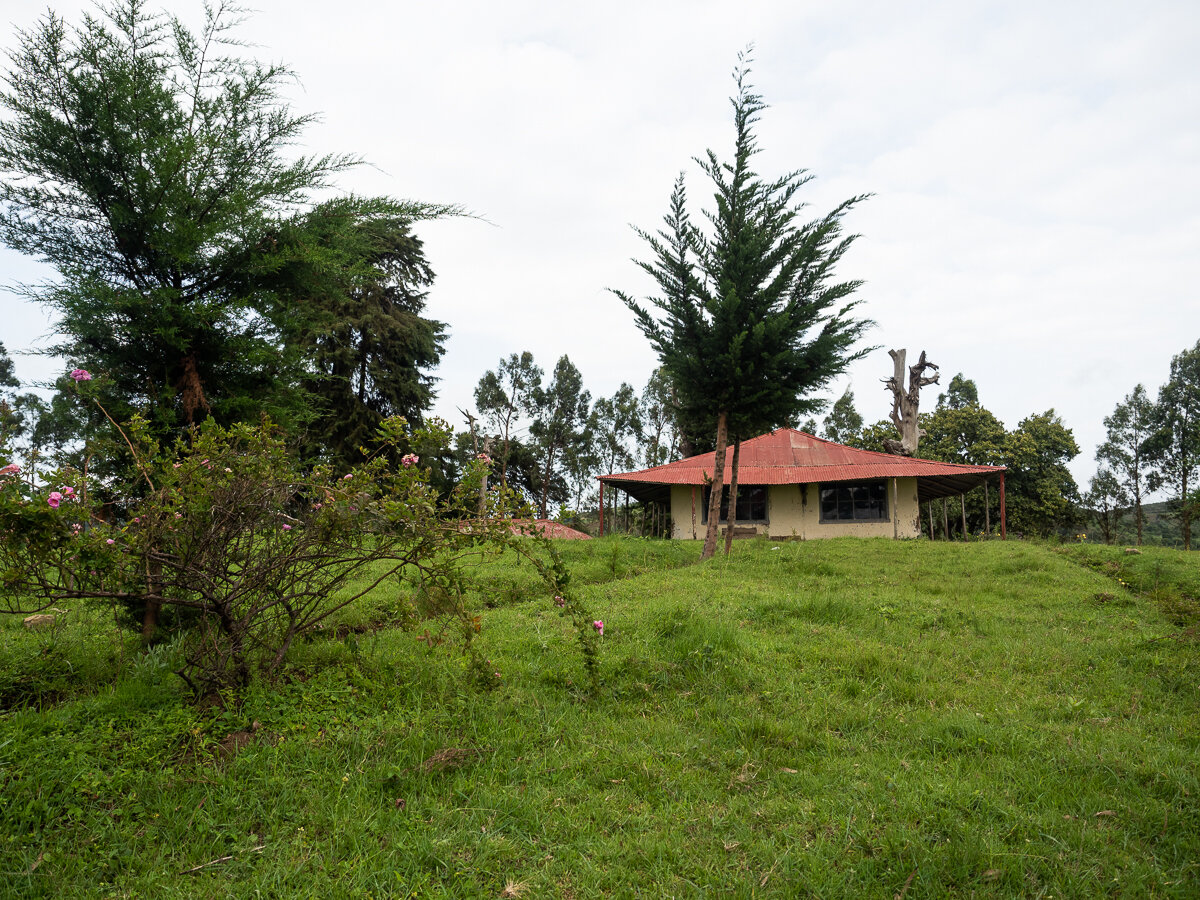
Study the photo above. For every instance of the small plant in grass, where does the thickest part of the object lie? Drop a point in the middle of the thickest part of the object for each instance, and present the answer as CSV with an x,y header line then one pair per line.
x,y
255,551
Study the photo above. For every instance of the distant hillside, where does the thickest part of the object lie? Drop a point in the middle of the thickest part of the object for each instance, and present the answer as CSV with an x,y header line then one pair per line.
x,y
1160,529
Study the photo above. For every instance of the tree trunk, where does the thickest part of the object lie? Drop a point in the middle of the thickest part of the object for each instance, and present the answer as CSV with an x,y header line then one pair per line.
x,y
733,482
1185,513
153,607
906,402
546,483
718,484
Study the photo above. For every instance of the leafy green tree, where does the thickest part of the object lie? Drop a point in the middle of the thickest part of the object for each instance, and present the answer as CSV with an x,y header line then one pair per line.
x,y
1105,500
347,278
1042,493
873,436
617,423
1174,447
561,417
18,412
961,392
843,424
504,398
750,322
1125,451
660,425
960,430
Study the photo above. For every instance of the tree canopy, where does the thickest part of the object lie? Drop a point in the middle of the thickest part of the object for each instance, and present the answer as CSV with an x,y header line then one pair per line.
x,y
148,164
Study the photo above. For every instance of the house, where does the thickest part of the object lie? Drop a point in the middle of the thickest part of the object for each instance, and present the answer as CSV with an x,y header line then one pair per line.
x,y
791,484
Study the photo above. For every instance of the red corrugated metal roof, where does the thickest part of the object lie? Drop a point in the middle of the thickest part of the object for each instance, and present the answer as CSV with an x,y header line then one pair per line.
x,y
787,456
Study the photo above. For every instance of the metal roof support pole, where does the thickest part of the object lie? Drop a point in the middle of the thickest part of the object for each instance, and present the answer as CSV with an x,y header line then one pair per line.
x,y
962,501
693,512
1003,524
601,507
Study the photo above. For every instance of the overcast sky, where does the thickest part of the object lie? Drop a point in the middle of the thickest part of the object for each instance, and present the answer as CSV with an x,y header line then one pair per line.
x,y
1035,172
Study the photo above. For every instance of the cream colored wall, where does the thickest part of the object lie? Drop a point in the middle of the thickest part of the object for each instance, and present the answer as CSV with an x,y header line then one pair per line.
x,y
794,510
681,512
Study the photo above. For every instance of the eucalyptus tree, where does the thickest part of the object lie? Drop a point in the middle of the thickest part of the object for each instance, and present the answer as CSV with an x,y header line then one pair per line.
x,y
506,396
659,420
618,428
1125,449
1174,447
1106,500
748,321
560,419
843,424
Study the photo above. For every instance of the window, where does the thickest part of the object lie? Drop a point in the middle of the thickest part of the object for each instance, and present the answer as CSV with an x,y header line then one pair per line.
x,y
751,503
855,502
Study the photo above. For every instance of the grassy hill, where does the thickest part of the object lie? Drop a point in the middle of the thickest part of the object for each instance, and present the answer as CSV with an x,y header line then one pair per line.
x,y
850,718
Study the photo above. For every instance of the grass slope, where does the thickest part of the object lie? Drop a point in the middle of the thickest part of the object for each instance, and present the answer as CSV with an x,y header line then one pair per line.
x,y
850,718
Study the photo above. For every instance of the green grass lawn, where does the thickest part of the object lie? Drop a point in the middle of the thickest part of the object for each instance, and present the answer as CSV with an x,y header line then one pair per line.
x,y
850,718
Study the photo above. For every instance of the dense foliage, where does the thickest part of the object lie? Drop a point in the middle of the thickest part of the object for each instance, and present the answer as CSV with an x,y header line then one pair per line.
x,y
147,164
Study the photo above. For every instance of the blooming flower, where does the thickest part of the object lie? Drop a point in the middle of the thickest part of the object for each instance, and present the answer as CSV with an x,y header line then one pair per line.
x,y
11,469
484,458
69,493
347,477
599,626
110,541
409,459
559,601
176,465
81,374
54,499
287,527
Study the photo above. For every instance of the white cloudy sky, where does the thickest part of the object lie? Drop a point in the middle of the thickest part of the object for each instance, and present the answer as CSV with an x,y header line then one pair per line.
x,y
1035,222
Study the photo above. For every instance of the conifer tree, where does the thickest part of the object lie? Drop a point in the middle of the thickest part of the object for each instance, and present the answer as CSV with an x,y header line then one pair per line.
x,y
749,322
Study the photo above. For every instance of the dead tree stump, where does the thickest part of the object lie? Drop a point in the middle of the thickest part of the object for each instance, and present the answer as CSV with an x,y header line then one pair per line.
x,y
906,402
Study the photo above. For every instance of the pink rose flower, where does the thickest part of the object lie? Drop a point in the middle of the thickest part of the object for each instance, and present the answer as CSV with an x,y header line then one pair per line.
x,y
409,459
347,477
11,469
54,499
287,527
81,374
110,541
599,626
484,458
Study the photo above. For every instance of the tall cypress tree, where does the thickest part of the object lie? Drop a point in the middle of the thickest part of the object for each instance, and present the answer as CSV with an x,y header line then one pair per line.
x,y
750,322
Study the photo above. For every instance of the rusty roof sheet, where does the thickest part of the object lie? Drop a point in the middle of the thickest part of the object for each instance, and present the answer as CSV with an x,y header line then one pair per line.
x,y
787,456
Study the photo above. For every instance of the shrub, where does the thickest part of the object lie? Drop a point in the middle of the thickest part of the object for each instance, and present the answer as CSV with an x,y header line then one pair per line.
x,y
253,550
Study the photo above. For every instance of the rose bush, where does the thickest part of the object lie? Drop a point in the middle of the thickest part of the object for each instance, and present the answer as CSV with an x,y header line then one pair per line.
x,y
250,550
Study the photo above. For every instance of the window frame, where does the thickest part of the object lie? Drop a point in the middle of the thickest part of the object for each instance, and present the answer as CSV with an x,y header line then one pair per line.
x,y
845,499
724,520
